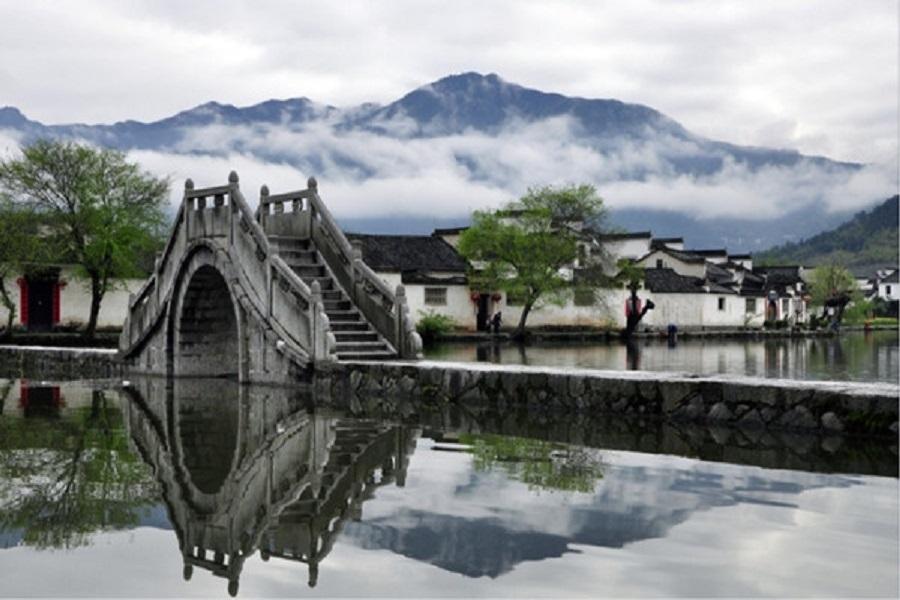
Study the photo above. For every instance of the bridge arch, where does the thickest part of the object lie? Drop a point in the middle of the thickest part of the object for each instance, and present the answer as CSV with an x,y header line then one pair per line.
x,y
205,329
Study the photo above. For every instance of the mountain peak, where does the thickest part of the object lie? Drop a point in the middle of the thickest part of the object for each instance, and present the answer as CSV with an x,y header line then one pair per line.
x,y
462,81
10,116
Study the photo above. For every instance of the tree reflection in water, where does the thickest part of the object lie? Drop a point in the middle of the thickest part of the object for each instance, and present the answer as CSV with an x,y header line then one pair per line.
x,y
539,464
65,475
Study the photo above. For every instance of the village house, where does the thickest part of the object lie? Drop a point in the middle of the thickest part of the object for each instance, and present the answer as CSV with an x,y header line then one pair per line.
x,y
888,287
431,270
707,288
53,297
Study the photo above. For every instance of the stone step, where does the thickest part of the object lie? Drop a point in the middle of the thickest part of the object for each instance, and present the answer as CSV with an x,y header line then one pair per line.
x,y
310,271
380,355
344,316
299,257
356,336
279,242
337,305
325,282
360,346
349,326
333,295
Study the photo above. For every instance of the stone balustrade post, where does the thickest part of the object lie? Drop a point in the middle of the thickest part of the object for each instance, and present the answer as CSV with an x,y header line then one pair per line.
x,y
400,310
263,205
318,343
355,266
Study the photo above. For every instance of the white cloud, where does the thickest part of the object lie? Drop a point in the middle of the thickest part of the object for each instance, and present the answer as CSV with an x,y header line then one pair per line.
x,y
807,74
364,174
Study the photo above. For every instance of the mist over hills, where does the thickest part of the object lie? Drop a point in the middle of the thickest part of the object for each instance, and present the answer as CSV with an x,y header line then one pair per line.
x,y
474,141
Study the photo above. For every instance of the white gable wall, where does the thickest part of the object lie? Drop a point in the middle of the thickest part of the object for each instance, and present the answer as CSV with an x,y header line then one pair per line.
x,y
670,262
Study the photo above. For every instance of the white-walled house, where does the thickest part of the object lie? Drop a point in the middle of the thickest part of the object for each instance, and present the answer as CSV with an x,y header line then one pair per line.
x,y
889,287
691,302
55,297
432,272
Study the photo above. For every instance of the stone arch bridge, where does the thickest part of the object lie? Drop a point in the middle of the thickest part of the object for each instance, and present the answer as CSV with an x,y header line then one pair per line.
x,y
262,296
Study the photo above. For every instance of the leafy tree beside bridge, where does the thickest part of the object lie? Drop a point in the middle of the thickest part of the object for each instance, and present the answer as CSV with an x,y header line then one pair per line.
x,y
96,210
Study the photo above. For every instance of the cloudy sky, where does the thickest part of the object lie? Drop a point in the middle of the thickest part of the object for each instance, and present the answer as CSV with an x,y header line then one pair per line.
x,y
819,76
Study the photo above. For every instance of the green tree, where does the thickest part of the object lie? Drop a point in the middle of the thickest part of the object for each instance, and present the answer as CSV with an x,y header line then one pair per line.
x,y
833,286
522,248
101,211
20,246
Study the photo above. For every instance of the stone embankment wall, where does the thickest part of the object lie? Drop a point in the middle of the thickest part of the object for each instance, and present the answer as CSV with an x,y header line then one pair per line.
x,y
59,363
748,403
751,403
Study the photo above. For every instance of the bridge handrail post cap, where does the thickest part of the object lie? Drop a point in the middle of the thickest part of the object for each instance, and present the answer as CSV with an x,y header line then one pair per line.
x,y
264,190
315,287
233,177
188,184
312,184
400,292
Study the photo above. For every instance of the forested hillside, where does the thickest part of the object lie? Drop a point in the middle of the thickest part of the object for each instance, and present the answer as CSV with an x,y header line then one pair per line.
x,y
870,238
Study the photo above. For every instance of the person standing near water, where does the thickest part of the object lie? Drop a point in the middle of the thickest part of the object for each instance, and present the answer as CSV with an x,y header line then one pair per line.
x,y
496,321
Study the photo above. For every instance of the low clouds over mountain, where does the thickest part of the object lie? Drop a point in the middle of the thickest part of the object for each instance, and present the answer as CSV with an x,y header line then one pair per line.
x,y
470,141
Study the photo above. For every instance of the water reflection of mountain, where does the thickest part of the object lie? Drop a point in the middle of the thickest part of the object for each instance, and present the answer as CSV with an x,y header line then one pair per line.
x,y
245,469
630,504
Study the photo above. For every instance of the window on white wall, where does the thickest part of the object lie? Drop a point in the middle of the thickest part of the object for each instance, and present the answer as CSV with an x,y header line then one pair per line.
x,y
436,296
659,263
721,303
751,306
785,307
887,290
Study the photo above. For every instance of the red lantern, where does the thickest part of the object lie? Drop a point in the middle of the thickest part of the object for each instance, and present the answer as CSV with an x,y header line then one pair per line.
x,y
474,296
496,297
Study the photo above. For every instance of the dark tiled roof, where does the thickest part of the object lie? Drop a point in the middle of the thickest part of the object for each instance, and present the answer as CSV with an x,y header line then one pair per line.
x,y
718,274
712,252
422,278
681,255
399,253
667,281
684,256
663,242
892,278
450,230
631,235
782,275
740,256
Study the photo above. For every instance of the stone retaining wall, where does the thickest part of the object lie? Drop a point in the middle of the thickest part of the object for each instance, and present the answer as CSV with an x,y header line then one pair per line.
x,y
748,403
743,402
59,363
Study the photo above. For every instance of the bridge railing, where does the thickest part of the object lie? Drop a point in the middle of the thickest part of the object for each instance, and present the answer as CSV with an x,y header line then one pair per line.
x,y
302,214
220,215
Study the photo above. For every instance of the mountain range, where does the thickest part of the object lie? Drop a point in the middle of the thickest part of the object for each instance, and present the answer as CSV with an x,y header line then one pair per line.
x,y
472,141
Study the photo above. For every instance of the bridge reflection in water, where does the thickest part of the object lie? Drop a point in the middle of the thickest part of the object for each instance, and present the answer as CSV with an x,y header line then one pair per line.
x,y
244,469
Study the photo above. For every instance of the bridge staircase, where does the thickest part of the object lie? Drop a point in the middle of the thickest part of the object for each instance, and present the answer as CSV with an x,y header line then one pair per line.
x,y
355,337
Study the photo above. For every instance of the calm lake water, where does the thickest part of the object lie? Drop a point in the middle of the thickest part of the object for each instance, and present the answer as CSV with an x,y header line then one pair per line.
x,y
853,356
177,491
